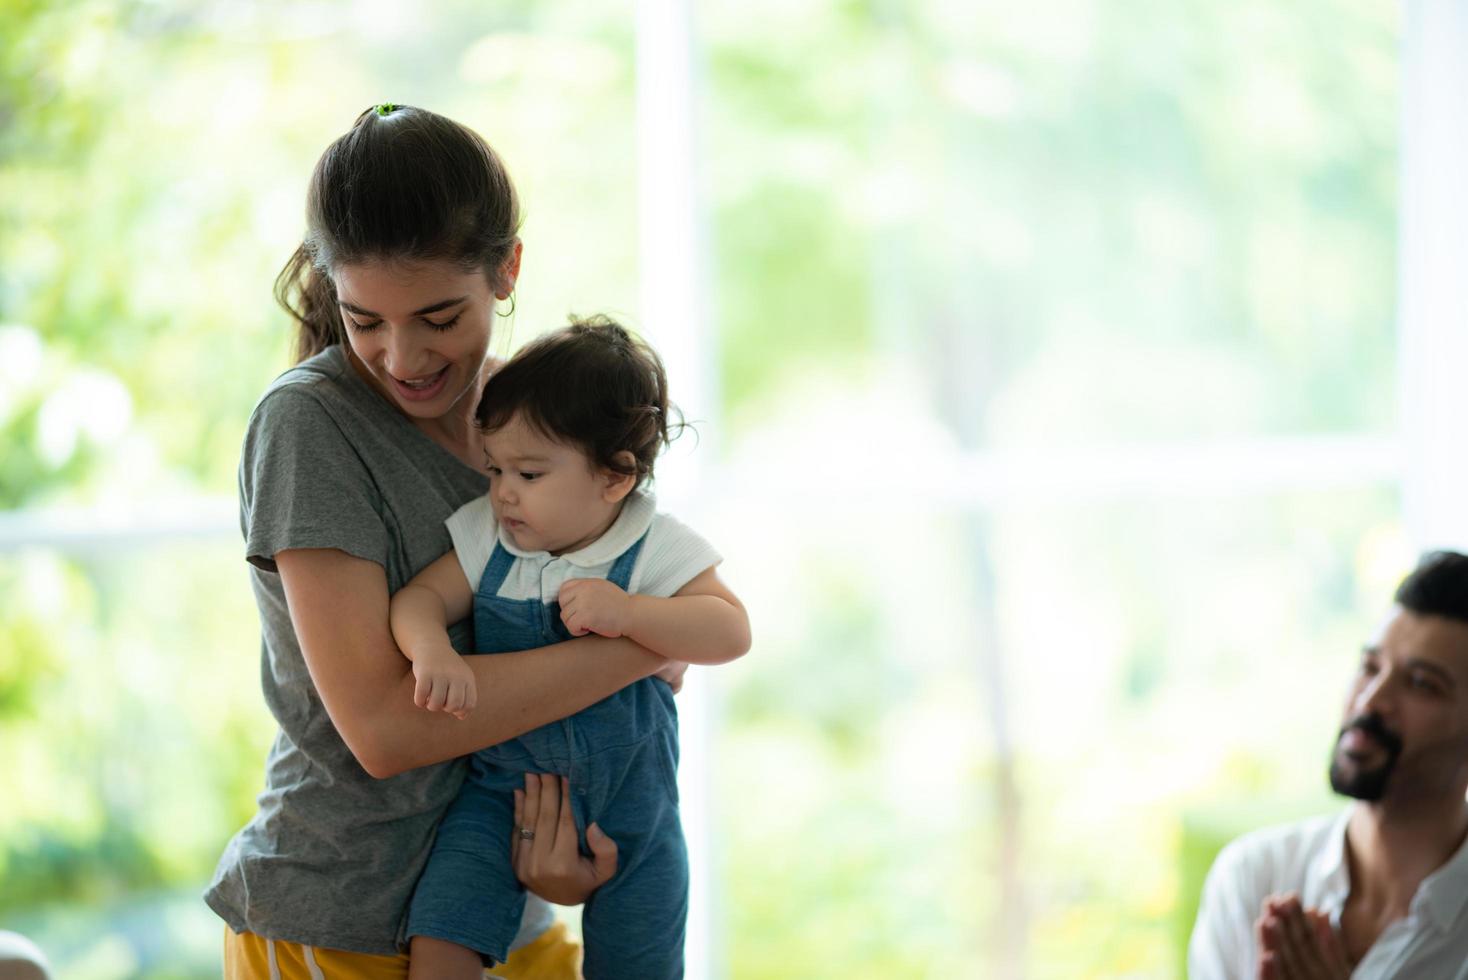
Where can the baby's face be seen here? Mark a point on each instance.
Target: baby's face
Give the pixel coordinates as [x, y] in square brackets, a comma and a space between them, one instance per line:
[546, 494]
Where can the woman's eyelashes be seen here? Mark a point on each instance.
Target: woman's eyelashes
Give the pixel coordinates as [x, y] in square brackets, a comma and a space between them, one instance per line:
[448, 324]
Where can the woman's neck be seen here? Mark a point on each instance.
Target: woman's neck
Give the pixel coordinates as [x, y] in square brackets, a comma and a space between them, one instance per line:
[454, 429]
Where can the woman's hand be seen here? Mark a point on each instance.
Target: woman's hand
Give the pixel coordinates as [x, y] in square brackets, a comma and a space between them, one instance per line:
[671, 672]
[549, 863]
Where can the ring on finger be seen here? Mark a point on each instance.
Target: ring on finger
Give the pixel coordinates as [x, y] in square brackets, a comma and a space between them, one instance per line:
[527, 834]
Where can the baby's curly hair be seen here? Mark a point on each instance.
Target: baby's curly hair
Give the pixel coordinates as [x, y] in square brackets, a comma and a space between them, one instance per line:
[591, 385]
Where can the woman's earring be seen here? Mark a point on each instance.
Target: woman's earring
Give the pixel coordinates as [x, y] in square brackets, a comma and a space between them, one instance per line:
[511, 298]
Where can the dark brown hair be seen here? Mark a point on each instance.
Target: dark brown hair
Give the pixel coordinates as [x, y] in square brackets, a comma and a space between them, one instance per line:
[1438, 586]
[591, 385]
[402, 183]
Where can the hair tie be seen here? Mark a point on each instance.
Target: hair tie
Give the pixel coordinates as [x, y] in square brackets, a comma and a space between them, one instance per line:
[384, 108]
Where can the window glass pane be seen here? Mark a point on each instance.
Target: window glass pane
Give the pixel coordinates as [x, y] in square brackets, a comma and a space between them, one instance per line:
[1014, 734]
[133, 734]
[1021, 737]
[1088, 222]
[153, 173]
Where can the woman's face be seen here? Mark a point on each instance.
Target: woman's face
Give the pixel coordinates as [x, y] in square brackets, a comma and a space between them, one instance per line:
[420, 328]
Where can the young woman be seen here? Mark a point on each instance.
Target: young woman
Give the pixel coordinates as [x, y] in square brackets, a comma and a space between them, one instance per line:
[352, 461]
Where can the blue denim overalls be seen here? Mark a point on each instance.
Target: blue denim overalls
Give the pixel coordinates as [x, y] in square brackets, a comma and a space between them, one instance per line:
[621, 757]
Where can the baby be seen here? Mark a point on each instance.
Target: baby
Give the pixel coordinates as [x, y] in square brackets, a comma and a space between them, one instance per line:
[567, 542]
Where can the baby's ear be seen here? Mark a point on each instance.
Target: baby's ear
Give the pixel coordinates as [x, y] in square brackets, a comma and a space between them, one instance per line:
[619, 485]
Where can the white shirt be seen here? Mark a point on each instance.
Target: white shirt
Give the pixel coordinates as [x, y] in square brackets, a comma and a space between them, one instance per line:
[1309, 857]
[672, 554]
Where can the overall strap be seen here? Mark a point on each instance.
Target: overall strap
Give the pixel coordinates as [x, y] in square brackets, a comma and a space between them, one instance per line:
[500, 561]
[621, 572]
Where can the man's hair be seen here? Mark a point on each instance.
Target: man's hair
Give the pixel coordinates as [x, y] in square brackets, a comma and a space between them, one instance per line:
[1438, 586]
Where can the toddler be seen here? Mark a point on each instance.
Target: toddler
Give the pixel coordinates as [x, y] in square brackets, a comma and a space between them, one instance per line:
[567, 542]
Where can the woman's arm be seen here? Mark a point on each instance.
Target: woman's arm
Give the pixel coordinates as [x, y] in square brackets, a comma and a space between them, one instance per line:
[339, 607]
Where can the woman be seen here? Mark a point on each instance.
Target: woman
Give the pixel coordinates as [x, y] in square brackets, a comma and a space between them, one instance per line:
[351, 462]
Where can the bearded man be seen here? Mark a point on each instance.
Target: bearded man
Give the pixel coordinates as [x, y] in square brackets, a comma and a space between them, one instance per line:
[1380, 890]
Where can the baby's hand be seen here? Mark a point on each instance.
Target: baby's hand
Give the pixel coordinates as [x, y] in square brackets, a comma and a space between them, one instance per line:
[594, 605]
[445, 683]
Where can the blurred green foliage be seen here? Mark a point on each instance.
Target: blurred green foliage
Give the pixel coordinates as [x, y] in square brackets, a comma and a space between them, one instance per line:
[1078, 222]
[1136, 221]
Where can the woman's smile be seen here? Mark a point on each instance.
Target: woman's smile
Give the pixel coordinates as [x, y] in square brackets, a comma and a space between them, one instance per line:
[423, 388]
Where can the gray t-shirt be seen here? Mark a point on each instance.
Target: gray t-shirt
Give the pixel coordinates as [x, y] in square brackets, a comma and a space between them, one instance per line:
[332, 856]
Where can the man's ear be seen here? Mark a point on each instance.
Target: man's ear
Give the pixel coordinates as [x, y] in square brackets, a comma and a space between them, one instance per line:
[619, 485]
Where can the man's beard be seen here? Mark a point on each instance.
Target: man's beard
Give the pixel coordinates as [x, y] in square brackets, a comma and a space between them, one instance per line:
[1365, 784]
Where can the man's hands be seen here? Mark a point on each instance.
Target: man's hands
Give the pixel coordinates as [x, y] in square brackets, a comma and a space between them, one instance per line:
[594, 605]
[445, 683]
[550, 865]
[1296, 943]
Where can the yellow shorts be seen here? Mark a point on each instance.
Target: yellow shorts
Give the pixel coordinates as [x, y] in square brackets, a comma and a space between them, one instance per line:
[553, 956]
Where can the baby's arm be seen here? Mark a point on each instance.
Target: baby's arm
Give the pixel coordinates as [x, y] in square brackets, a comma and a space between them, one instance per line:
[419, 616]
[702, 623]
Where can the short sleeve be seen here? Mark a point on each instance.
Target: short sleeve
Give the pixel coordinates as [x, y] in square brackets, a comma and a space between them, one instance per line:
[673, 555]
[473, 531]
[303, 485]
